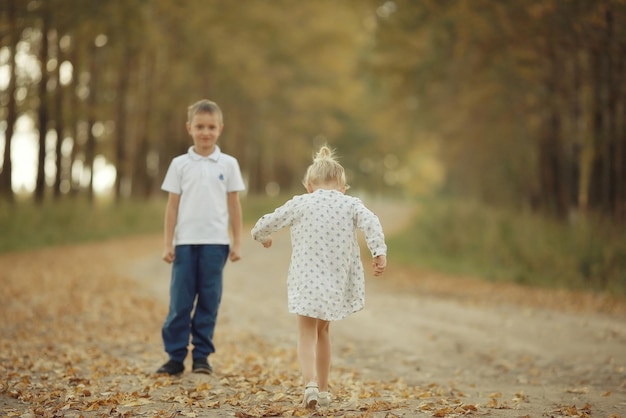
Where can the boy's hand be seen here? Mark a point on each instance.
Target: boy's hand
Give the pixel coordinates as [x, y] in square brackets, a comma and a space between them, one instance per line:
[379, 263]
[168, 254]
[235, 253]
[267, 243]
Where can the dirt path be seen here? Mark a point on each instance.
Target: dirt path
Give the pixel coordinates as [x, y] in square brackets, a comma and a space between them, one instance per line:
[80, 337]
[518, 360]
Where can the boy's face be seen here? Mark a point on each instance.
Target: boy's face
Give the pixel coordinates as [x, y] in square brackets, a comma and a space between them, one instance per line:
[205, 129]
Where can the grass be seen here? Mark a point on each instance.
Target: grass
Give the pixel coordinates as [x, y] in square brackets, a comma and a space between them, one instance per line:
[467, 238]
[448, 236]
[25, 226]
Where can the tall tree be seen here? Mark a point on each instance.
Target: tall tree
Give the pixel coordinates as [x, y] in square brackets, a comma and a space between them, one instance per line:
[511, 82]
[43, 111]
[6, 178]
[517, 102]
[59, 122]
[92, 115]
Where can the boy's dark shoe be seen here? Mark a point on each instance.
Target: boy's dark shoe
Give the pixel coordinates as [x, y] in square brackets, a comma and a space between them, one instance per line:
[201, 365]
[172, 367]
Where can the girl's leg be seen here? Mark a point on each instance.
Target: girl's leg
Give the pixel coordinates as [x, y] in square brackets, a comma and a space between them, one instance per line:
[307, 340]
[323, 351]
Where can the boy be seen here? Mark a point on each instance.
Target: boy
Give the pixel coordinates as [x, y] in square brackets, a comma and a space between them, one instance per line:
[203, 187]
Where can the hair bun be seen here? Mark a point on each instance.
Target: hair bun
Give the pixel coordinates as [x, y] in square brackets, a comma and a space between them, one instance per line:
[325, 170]
[325, 153]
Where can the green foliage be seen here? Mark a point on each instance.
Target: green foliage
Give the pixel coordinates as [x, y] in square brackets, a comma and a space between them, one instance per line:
[27, 226]
[505, 102]
[458, 237]
[468, 238]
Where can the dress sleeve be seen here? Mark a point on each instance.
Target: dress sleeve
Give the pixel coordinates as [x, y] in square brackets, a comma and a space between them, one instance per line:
[369, 223]
[281, 217]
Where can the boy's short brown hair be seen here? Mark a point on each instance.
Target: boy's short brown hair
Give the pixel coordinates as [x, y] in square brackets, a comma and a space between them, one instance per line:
[205, 106]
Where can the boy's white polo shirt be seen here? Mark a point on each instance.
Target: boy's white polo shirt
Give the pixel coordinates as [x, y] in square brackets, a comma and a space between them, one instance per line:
[203, 184]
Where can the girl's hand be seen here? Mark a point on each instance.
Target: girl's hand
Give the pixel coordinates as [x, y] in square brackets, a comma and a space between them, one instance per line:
[267, 243]
[379, 263]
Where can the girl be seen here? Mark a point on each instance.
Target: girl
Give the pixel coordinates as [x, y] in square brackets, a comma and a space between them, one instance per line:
[326, 279]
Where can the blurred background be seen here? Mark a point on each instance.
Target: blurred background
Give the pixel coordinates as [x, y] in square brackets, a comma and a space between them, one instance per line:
[503, 122]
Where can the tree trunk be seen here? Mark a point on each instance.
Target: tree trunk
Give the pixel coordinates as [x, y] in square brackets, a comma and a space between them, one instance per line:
[6, 176]
[552, 159]
[58, 123]
[611, 116]
[608, 169]
[598, 184]
[40, 185]
[614, 81]
[144, 168]
[74, 117]
[577, 135]
[121, 163]
[90, 146]
[620, 151]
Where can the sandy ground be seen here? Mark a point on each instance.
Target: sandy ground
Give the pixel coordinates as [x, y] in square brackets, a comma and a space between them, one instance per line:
[521, 359]
[80, 337]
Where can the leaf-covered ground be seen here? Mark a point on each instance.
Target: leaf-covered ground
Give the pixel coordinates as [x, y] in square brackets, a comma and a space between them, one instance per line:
[80, 331]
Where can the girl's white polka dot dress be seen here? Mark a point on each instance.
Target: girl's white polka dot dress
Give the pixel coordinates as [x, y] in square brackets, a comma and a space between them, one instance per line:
[326, 278]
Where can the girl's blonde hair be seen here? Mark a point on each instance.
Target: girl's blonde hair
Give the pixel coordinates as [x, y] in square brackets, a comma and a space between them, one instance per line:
[325, 169]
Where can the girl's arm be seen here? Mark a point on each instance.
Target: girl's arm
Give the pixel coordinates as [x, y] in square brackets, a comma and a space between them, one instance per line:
[379, 263]
[369, 223]
[272, 222]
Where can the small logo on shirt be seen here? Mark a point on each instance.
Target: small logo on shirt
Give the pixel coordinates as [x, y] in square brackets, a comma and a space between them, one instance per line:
[221, 177]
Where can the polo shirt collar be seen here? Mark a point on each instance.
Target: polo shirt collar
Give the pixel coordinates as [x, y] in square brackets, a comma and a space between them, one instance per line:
[195, 156]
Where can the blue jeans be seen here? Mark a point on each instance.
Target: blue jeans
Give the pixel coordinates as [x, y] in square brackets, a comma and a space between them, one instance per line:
[196, 282]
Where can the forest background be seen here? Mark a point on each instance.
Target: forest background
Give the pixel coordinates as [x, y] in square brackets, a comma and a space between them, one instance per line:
[503, 122]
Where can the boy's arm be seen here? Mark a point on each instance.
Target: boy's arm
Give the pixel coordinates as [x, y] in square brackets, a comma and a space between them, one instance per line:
[236, 224]
[171, 215]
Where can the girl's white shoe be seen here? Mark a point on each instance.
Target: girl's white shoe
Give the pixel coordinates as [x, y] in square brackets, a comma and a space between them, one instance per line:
[311, 395]
[323, 399]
